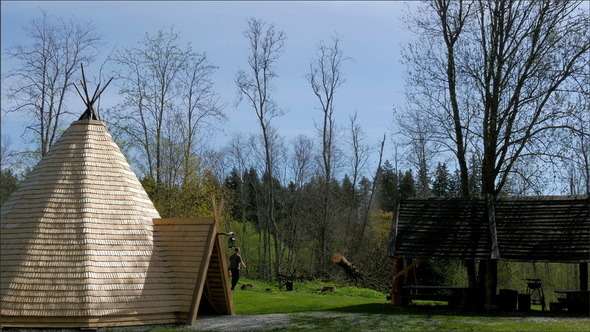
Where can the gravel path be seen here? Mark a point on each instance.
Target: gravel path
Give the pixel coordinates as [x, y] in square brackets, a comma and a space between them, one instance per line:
[236, 323]
[355, 321]
[241, 323]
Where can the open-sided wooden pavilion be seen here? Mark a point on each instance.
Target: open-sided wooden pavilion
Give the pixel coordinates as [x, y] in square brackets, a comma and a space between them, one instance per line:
[523, 229]
[81, 245]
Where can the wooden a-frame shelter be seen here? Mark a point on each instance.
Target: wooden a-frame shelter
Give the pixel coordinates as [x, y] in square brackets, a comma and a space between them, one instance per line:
[82, 245]
[522, 229]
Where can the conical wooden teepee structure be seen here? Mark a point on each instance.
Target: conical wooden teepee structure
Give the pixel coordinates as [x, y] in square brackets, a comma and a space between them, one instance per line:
[81, 245]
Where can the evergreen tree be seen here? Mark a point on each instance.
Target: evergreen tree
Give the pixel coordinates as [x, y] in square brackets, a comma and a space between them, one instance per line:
[234, 190]
[387, 187]
[407, 185]
[348, 192]
[252, 196]
[364, 192]
[441, 186]
[455, 184]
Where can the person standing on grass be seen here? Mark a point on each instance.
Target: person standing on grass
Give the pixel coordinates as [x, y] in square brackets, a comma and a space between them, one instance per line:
[235, 261]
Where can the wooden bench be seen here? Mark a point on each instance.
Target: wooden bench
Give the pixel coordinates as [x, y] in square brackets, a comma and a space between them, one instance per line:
[574, 301]
[455, 296]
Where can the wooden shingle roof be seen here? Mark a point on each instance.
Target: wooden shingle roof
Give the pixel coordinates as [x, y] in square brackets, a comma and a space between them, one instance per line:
[79, 247]
[540, 229]
[544, 229]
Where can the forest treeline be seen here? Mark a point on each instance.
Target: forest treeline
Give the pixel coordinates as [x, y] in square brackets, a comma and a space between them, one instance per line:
[497, 103]
[359, 222]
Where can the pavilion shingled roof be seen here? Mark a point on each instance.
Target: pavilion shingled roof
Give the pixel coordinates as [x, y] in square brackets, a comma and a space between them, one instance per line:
[540, 229]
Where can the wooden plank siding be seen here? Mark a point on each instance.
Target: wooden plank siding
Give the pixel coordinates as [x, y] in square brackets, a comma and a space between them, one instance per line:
[538, 229]
[182, 243]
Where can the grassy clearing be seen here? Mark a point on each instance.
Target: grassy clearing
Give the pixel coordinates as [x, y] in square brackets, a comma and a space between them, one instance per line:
[353, 309]
[306, 297]
[357, 309]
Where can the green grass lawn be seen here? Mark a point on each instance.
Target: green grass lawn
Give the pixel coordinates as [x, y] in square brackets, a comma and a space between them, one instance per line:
[306, 297]
[363, 310]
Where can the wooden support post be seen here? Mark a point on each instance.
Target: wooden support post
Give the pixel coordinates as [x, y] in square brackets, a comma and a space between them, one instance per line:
[201, 277]
[491, 281]
[408, 268]
[396, 284]
[583, 276]
[471, 273]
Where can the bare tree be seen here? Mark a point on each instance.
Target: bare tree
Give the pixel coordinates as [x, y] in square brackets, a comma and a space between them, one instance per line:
[8, 157]
[577, 162]
[302, 160]
[502, 71]
[359, 151]
[201, 106]
[369, 205]
[137, 125]
[359, 155]
[301, 168]
[433, 76]
[423, 147]
[238, 153]
[169, 101]
[165, 60]
[529, 53]
[255, 85]
[47, 68]
[325, 77]
[169, 105]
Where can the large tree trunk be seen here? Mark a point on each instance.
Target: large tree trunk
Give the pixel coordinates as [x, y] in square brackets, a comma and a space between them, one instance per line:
[491, 282]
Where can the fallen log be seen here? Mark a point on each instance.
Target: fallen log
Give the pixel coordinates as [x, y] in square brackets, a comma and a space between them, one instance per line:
[341, 261]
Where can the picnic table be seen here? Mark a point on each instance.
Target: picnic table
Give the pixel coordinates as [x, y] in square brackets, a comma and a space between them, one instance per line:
[455, 296]
[574, 300]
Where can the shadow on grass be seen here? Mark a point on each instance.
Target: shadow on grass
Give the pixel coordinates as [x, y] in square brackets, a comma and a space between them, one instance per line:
[369, 308]
[430, 310]
[388, 309]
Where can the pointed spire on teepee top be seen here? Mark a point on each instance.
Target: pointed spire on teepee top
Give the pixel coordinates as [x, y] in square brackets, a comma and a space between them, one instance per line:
[89, 113]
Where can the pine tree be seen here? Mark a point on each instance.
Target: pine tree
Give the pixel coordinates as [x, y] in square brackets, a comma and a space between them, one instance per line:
[407, 185]
[441, 186]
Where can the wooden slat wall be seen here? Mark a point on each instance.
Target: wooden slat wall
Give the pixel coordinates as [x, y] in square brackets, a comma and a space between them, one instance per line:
[192, 249]
[182, 244]
[543, 229]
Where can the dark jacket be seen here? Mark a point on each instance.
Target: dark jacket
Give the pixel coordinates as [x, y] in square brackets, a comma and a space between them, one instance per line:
[234, 261]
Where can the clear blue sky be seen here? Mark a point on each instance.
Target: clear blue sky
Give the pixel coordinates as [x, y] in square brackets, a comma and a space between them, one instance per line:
[372, 34]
